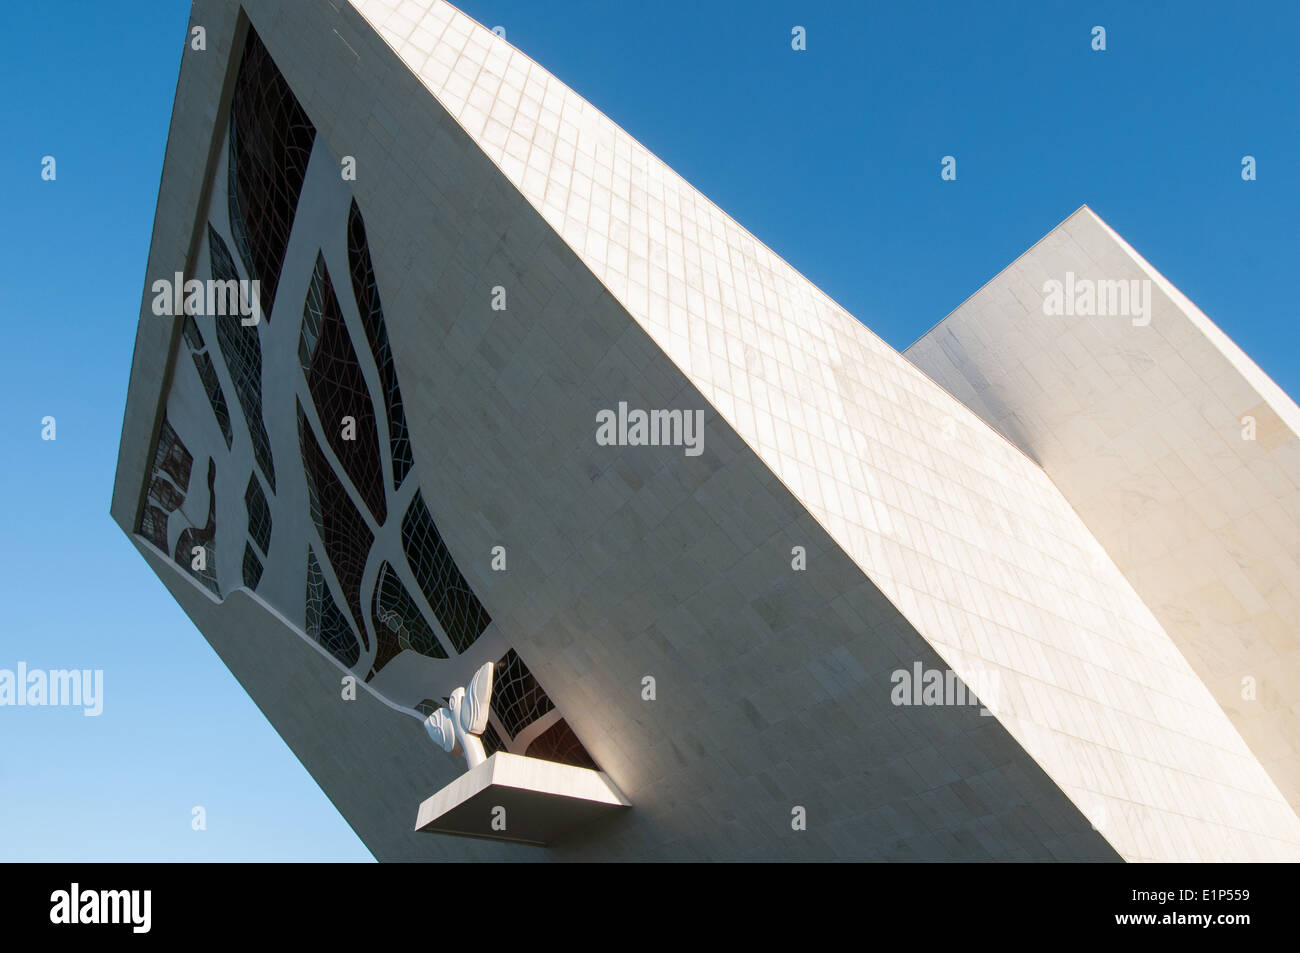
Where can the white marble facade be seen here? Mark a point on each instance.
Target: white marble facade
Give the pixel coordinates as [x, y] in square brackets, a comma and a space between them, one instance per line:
[930, 536]
[1180, 455]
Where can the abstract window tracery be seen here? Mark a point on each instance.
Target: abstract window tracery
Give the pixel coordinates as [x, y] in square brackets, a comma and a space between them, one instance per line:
[259, 514]
[270, 142]
[517, 699]
[212, 386]
[171, 456]
[252, 567]
[169, 480]
[343, 531]
[164, 494]
[366, 290]
[241, 347]
[205, 537]
[153, 526]
[193, 339]
[338, 388]
[454, 604]
[399, 624]
[269, 145]
[208, 375]
[325, 622]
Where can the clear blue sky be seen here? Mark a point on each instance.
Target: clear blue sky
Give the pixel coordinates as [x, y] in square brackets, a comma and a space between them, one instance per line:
[830, 156]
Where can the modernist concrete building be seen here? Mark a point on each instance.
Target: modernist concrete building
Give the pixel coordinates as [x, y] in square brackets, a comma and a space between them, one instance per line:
[517, 393]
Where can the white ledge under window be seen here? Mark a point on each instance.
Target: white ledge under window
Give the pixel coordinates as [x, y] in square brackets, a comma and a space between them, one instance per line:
[523, 800]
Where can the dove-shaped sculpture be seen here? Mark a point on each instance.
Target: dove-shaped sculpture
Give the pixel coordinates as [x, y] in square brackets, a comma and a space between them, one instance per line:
[457, 729]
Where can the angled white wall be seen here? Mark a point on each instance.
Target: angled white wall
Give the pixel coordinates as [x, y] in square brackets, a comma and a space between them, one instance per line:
[1180, 455]
[964, 534]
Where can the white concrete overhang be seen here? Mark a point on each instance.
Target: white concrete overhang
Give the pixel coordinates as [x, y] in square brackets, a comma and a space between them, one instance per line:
[523, 800]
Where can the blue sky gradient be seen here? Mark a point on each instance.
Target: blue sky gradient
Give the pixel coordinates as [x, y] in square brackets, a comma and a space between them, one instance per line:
[830, 156]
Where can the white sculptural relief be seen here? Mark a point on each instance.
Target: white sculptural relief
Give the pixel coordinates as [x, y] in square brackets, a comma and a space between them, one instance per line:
[457, 730]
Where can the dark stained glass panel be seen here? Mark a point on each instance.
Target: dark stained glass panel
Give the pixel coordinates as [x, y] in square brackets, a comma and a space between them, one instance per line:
[454, 604]
[252, 567]
[559, 743]
[270, 142]
[172, 458]
[399, 624]
[343, 530]
[338, 388]
[208, 375]
[259, 514]
[169, 480]
[241, 348]
[325, 622]
[366, 290]
[202, 536]
[517, 698]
